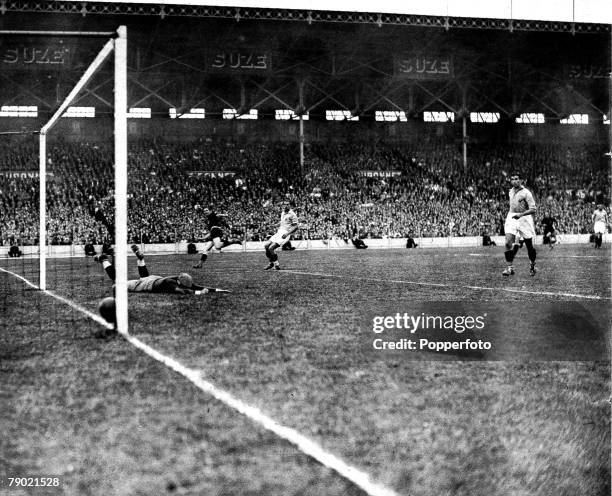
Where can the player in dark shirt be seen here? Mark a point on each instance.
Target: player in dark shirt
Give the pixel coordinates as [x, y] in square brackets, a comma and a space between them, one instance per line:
[549, 224]
[215, 237]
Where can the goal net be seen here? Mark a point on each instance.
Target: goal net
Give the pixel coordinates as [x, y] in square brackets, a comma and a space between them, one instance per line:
[63, 197]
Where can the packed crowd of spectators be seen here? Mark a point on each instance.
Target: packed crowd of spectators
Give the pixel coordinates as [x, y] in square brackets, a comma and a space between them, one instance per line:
[342, 190]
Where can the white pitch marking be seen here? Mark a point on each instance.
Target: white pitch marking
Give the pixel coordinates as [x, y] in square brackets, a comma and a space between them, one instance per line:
[71, 304]
[555, 255]
[479, 288]
[304, 444]
[307, 446]
[308, 273]
[578, 256]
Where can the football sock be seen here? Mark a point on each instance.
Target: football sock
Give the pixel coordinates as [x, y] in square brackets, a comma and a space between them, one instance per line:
[509, 254]
[531, 251]
[109, 269]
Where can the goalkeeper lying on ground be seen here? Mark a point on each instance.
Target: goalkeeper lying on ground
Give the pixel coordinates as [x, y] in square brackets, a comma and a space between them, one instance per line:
[181, 284]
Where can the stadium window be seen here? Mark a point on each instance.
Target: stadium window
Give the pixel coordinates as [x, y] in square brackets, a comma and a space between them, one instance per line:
[19, 111]
[233, 114]
[606, 120]
[194, 113]
[530, 118]
[80, 112]
[390, 116]
[575, 119]
[484, 117]
[429, 116]
[286, 114]
[340, 115]
[139, 113]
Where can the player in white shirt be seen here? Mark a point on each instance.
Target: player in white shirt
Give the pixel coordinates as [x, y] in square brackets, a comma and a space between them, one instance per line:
[519, 223]
[288, 225]
[600, 221]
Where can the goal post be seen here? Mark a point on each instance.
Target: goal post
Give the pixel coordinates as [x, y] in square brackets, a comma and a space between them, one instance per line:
[121, 233]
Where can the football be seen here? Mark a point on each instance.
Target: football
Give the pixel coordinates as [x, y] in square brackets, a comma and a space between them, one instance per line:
[107, 309]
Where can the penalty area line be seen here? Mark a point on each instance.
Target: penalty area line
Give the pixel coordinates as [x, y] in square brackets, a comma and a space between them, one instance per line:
[440, 285]
[301, 442]
[487, 255]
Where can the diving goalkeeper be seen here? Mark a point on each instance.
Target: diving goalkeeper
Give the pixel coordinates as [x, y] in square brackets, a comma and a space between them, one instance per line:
[181, 284]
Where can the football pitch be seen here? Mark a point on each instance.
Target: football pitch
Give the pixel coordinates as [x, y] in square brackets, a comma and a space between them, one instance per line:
[294, 351]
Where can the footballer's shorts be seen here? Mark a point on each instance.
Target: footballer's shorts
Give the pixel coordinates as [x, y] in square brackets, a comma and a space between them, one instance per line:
[599, 227]
[278, 238]
[522, 227]
[215, 232]
[144, 284]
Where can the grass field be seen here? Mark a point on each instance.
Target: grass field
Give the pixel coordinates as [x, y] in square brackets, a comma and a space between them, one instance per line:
[529, 417]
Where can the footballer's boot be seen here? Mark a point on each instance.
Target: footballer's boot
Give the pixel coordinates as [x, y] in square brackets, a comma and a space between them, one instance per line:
[270, 266]
[105, 333]
[198, 265]
[532, 270]
[137, 252]
[231, 241]
[509, 271]
[101, 258]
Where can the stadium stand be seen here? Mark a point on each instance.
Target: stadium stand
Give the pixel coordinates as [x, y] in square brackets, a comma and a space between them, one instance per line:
[370, 190]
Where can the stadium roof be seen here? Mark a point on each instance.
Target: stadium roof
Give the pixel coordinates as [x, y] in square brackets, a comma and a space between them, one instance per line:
[521, 15]
[188, 56]
[583, 11]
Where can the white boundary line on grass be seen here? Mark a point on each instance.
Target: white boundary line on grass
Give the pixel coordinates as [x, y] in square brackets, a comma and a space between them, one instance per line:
[70, 303]
[440, 285]
[304, 444]
[491, 255]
